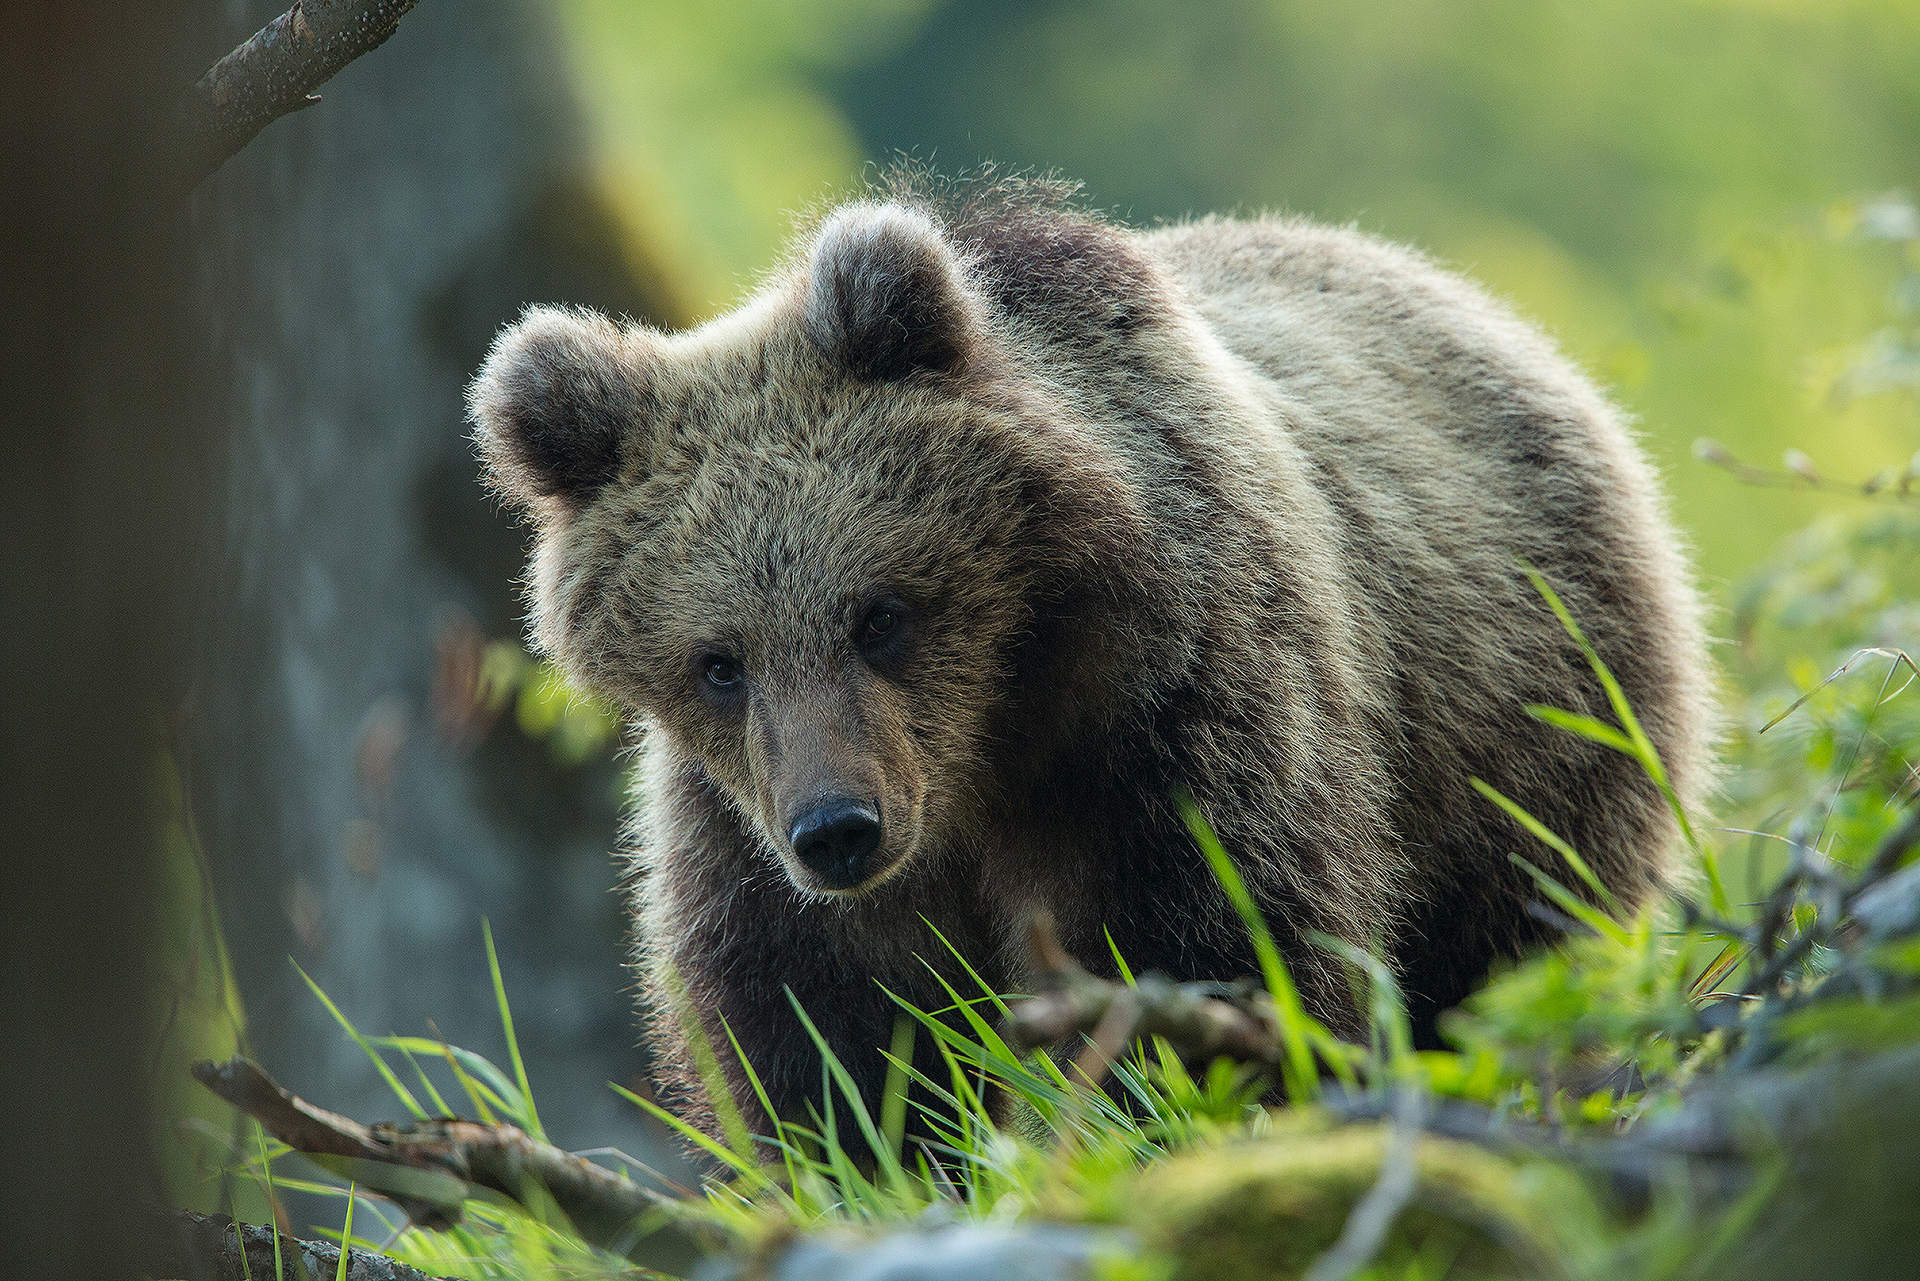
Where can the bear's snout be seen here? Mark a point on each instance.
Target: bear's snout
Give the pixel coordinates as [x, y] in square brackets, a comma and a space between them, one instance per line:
[837, 840]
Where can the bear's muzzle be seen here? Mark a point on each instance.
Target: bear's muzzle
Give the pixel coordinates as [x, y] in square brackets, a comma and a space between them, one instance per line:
[836, 840]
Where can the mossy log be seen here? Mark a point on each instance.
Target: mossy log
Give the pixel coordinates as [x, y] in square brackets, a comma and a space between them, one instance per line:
[1267, 1209]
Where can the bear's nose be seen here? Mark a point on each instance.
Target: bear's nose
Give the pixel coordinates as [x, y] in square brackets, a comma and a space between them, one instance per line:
[837, 840]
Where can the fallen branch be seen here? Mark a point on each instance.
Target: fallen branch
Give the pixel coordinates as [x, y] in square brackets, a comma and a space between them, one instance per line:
[1201, 1021]
[430, 1168]
[275, 74]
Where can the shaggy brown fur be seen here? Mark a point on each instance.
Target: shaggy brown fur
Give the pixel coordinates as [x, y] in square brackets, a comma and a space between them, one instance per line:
[936, 571]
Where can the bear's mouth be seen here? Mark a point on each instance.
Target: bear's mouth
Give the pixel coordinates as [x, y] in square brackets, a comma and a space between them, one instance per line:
[847, 877]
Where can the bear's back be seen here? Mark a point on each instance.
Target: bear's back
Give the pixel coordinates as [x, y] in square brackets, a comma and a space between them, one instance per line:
[1396, 373]
[1458, 447]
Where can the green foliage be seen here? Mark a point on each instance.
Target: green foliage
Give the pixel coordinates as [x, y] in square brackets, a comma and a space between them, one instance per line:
[1650, 180]
[1825, 763]
[1823, 631]
[1803, 948]
[576, 727]
[493, 1237]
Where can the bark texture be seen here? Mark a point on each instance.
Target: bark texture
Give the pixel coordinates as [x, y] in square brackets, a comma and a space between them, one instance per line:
[275, 72]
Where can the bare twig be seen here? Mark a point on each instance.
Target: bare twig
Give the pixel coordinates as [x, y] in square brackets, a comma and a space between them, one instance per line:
[1897, 485]
[1195, 1018]
[1373, 1215]
[430, 1167]
[275, 74]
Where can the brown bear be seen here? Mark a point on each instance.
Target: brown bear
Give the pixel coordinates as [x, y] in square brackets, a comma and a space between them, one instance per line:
[986, 529]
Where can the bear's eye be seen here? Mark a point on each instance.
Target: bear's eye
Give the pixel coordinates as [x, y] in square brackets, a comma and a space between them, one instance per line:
[883, 636]
[721, 672]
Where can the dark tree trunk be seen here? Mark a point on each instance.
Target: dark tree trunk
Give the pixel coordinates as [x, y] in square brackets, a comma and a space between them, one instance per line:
[102, 484]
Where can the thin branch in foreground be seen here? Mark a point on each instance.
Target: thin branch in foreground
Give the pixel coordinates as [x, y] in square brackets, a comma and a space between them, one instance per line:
[1196, 1019]
[1373, 1215]
[275, 73]
[429, 1168]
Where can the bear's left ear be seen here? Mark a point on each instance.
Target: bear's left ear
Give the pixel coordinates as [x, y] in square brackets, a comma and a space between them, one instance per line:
[888, 298]
[561, 394]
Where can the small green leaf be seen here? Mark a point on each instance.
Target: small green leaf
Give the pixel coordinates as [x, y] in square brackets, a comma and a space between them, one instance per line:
[1585, 726]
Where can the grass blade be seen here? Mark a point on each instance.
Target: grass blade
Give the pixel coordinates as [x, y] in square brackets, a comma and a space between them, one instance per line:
[1722, 965]
[1548, 838]
[1297, 1070]
[706, 1064]
[273, 1202]
[476, 1091]
[346, 1237]
[530, 1118]
[1643, 749]
[893, 1105]
[887, 1156]
[493, 1087]
[1573, 905]
[694, 1135]
[788, 1153]
[393, 1082]
[1585, 726]
[1119, 962]
[1387, 1006]
[426, 1083]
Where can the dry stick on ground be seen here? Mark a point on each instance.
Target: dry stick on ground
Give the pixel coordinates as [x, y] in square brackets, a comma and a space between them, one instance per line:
[275, 74]
[1195, 1018]
[430, 1167]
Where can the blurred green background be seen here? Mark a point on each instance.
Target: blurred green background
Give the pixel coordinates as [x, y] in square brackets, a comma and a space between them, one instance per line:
[1671, 188]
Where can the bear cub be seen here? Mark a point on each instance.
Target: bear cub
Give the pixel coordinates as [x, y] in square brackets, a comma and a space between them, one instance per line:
[935, 574]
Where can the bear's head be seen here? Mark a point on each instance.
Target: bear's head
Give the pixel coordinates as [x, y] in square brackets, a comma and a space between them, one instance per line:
[851, 547]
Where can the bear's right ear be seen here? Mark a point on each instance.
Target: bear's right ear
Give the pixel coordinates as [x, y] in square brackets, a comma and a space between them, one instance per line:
[554, 405]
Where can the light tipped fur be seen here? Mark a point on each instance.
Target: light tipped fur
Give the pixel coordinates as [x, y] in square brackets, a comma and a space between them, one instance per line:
[1235, 510]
